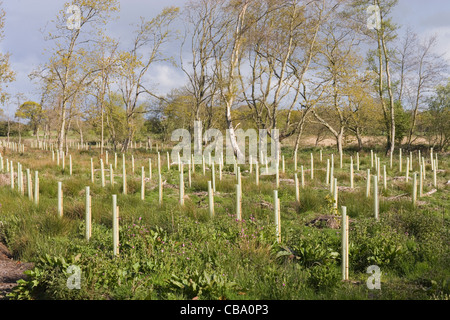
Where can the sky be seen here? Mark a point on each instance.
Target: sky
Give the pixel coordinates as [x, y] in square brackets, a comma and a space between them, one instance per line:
[26, 44]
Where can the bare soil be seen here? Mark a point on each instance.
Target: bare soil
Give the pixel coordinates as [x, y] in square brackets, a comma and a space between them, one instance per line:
[10, 271]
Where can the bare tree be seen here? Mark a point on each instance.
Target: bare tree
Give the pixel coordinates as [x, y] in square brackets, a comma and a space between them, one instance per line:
[427, 70]
[133, 65]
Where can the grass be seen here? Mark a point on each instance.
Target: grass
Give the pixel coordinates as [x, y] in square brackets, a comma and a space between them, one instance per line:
[179, 252]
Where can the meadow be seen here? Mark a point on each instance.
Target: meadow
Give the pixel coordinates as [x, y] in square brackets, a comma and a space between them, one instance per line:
[174, 250]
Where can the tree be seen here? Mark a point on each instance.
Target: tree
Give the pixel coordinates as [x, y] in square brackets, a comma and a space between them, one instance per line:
[33, 112]
[421, 70]
[438, 117]
[341, 70]
[133, 65]
[68, 70]
[106, 61]
[6, 74]
[380, 59]
[283, 43]
[202, 19]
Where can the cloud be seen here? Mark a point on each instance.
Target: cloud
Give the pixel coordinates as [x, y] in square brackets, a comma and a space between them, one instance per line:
[165, 78]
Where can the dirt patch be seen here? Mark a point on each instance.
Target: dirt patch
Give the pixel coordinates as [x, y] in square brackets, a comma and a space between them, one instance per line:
[10, 271]
[325, 221]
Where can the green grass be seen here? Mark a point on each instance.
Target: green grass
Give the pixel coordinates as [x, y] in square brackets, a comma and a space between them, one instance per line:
[174, 252]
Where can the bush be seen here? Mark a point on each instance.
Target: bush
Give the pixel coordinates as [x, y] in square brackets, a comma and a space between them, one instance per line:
[376, 243]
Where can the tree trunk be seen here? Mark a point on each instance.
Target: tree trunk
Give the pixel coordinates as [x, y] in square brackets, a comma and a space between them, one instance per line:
[340, 142]
[358, 136]
[62, 128]
[9, 128]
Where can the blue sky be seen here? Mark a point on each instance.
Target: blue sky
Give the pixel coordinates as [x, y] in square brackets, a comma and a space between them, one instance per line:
[24, 19]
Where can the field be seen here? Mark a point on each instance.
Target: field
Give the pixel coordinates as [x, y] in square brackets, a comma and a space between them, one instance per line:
[179, 251]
